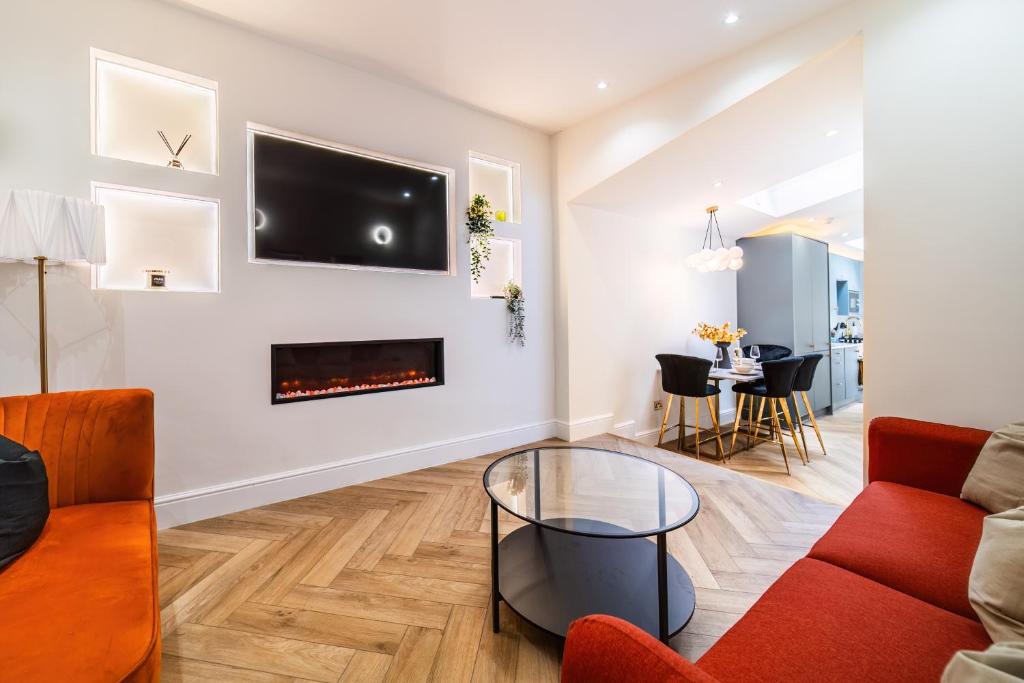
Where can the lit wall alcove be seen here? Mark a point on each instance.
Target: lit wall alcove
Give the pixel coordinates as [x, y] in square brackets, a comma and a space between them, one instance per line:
[150, 230]
[498, 180]
[133, 100]
[504, 266]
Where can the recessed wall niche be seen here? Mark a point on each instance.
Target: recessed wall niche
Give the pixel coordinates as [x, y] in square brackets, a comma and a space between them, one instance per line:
[151, 232]
[498, 180]
[132, 100]
[504, 266]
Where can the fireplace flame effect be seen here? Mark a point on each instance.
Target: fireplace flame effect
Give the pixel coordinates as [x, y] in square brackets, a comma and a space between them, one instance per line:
[293, 389]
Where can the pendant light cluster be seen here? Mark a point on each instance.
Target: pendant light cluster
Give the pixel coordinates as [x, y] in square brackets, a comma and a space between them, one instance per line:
[709, 260]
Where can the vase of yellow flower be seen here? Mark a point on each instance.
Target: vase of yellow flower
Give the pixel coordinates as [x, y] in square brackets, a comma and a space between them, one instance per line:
[721, 336]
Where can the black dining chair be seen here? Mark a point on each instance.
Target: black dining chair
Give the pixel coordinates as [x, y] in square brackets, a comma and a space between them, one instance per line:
[775, 389]
[804, 382]
[687, 377]
[769, 351]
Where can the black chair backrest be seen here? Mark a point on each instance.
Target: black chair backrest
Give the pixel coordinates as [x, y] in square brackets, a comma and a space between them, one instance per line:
[780, 375]
[684, 375]
[805, 375]
[769, 351]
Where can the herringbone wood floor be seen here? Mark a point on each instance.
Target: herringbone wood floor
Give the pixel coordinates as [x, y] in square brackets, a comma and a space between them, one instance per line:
[389, 580]
[836, 478]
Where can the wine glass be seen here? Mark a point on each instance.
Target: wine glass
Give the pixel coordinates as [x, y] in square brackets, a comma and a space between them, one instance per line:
[718, 356]
[755, 352]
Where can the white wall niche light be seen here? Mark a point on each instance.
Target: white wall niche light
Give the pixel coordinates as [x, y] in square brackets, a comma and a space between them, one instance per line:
[132, 100]
[500, 181]
[504, 266]
[162, 231]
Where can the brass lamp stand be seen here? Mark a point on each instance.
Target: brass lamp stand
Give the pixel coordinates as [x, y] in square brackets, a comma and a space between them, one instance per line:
[65, 229]
[44, 385]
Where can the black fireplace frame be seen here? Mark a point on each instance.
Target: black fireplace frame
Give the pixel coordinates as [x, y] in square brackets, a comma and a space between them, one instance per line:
[438, 365]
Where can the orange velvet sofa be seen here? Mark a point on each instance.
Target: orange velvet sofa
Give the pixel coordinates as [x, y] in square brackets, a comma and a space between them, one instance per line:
[82, 604]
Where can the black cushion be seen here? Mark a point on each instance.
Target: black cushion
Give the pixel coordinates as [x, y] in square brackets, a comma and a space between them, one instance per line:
[24, 501]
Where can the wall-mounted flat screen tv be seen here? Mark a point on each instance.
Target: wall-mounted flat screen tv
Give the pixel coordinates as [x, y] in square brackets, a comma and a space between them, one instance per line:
[318, 203]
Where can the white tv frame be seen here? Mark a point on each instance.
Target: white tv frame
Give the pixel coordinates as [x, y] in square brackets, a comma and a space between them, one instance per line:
[448, 173]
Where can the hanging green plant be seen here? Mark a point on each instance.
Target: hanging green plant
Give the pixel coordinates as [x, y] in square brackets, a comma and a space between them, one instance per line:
[478, 222]
[516, 305]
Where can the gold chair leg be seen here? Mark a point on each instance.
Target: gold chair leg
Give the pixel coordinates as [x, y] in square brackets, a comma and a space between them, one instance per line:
[664, 419]
[718, 430]
[696, 425]
[736, 424]
[750, 422]
[792, 430]
[800, 425]
[760, 416]
[814, 422]
[778, 430]
[682, 424]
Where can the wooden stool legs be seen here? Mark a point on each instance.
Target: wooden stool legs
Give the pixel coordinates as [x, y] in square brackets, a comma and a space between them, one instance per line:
[778, 430]
[814, 422]
[736, 423]
[718, 430]
[682, 424]
[664, 420]
[784, 403]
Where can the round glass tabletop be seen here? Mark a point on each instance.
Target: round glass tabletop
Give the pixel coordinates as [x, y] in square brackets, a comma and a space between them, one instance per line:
[591, 491]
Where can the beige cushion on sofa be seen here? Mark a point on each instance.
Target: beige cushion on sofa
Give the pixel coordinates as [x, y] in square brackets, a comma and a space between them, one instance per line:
[996, 586]
[996, 482]
[1000, 663]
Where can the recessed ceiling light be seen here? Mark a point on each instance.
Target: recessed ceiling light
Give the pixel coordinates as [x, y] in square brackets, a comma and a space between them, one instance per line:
[731, 18]
[832, 133]
[602, 85]
[811, 219]
[718, 183]
[845, 234]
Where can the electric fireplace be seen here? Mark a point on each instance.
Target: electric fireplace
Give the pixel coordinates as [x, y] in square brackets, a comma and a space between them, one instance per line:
[305, 372]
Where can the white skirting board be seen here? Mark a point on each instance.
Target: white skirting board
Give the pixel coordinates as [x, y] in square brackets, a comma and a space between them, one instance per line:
[586, 427]
[190, 506]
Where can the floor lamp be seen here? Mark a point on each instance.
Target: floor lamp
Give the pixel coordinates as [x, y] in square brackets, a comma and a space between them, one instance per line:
[40, 227]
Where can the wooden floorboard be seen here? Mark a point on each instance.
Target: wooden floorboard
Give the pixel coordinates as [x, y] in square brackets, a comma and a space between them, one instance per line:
[390, 580]
[835, 476]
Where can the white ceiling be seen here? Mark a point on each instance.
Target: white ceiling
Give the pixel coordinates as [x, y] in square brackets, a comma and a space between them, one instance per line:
[777, 134]
[534, 61]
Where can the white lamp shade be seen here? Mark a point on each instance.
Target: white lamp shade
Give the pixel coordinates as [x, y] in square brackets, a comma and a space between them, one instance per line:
[62, 229]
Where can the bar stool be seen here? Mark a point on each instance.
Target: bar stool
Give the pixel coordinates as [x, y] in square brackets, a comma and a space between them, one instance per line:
[769, 351]
[804, 382]
[779, 378]
[687, 377]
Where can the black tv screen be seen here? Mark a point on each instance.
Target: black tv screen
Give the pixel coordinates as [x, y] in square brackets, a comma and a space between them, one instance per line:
[323, 205]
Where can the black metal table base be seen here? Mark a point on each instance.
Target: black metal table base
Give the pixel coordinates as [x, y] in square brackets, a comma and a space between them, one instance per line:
[551, 578]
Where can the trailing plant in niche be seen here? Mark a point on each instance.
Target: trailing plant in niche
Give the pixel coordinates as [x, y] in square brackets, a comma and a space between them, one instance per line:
[478, 221]
[516, 305]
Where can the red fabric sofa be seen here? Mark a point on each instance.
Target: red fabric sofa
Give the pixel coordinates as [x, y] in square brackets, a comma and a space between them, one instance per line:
[882, 596]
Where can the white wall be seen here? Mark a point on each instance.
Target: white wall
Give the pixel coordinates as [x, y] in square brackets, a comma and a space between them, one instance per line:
[623, 292]
[206, 356]
[944, 210]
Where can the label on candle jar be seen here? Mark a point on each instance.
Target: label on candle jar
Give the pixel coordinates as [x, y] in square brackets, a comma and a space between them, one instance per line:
[156, 278]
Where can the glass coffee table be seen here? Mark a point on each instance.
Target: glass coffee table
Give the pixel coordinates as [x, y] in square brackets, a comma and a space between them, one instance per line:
[586, 548]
